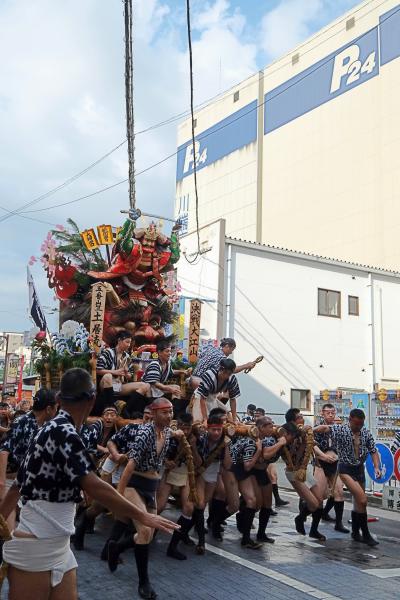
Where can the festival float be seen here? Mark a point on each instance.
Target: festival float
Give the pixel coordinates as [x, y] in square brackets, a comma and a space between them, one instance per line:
[110, 278]
[107, 280]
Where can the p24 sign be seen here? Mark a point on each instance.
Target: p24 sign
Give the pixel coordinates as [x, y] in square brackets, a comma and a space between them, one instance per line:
[348, 68]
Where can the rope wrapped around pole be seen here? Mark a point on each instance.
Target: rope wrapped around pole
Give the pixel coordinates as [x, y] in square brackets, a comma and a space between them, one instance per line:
[130, 120]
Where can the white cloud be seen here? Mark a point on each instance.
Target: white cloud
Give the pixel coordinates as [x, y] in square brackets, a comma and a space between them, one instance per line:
[291, 17]
[62, 106]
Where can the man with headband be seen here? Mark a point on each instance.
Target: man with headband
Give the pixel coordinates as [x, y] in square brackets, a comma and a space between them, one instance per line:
[140, 480]
[56, 469]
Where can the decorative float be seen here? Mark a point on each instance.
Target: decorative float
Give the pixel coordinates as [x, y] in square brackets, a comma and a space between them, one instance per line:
[112, 279]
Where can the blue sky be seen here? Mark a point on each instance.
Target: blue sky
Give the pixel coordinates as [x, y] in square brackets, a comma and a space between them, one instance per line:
[62, 105]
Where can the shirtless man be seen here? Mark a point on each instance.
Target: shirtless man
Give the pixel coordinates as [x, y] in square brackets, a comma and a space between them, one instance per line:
[140, 480]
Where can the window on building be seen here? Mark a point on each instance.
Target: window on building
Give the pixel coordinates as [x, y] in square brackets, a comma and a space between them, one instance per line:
[354, 308]
[350, 23]
[328, 303]
[300, 399]
[236, 96]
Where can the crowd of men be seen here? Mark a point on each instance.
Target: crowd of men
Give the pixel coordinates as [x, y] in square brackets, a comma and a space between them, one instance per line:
[74, 449]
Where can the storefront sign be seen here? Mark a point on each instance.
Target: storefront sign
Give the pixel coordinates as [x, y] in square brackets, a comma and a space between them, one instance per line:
[386, 464]
[391, 498]
[338, 73]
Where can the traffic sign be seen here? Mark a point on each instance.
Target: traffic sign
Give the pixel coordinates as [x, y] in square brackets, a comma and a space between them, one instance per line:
[386, 464]
[396, 459]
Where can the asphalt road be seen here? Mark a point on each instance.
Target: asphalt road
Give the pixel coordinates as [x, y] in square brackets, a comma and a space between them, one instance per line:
[294, 568]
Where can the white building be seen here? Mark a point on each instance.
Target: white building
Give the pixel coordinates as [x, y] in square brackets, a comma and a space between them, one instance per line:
[305, 154]
[320, 323]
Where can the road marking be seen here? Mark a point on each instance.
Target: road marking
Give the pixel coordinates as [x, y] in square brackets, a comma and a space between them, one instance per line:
[383, 573]
[289, 581]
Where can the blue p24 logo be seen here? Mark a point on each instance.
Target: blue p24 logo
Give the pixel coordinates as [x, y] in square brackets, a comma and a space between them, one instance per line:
[348, 69]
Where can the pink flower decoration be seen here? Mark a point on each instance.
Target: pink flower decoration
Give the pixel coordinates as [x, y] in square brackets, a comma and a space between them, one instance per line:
[60, 227]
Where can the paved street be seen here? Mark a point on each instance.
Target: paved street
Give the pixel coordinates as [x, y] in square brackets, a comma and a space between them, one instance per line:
[294, 568]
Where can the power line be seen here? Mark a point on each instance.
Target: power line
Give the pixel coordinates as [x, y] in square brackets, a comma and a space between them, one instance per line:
[105, 189]
[167, 121]
[60, 186]
[196, 194]
[203, 136]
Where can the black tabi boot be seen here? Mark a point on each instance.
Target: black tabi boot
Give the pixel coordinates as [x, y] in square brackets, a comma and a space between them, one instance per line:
[339, 508]
[329, 504]
[278, 499]
[211, 512]
[172, 551]
[355, 527]
[116, 548]
[186, 539]
[248, 516]
[220, 514]
[198, 518]
[263, 518]
[366, 535]
[145, 589]
[316, 518]
[301, 517]
[118, 529]
[239, 515]
[80, 530]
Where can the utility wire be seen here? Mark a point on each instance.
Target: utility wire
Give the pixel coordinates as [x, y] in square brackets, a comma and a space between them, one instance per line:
[189, 34]
[203, 136]
[58, 187]
[170, 120]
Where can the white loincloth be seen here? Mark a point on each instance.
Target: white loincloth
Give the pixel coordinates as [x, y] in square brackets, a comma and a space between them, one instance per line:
[36, 555]
[111, 468]
[52, 524]
[310, 480]
[178, 476]
[211, 402]
[210, 475]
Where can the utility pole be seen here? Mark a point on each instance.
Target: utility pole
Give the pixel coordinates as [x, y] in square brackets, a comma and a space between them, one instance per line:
[130, 120]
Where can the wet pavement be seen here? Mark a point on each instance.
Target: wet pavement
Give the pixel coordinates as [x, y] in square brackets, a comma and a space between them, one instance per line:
[294, 568]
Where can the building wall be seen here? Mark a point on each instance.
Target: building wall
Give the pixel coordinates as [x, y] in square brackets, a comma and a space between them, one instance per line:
[329, 152]
[203, 278]
[274, 304]
[267, 299]
[227, 186]
[335, 167]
